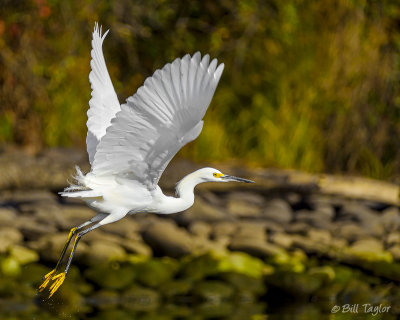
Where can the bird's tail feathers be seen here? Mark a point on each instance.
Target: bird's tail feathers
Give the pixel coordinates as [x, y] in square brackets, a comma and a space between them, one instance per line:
[79, 189]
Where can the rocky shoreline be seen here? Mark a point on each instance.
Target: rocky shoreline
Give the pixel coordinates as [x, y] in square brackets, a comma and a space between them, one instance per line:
[232, 254]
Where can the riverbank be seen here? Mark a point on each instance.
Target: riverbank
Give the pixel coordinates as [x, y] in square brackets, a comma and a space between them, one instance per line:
[283, 245]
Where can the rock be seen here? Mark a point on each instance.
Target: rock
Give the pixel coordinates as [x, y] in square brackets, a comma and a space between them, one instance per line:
[155, 272]
[367, 245]
[211, 198]
[320, 236]
[23, 197]
[203, 211]
[313, 218]
[165, 238]
[325, 273]
[204, 245]
[140, 299]
[271, 226]
[242, 282]
[298, 228]
[349, 231]
[212, 310]
[104, 251]
[115, 314]
[50, 247]
[195, 268]
[251, 198]
[33, 273]
[395, 252]
[127, 228]
[49, 214]
[33, 230]
[254, 247]
[393, 238]
[298, 284]
[113, 277]
[366, 218]
[338, 244]
[174, 288]
[326, 211]
[76, 215]
[281, 239]
[213, 291]
[223, 229]
[10, 267]
[390, 219]
[367, 250]
[200, 228]
[137, 247]
[279, 211]
[99, 235]
[7, 216]
[23, 255]
[242, 263]
[105, 299]
[242, 208]
[250, 229]
[9, 236]
[309, 246]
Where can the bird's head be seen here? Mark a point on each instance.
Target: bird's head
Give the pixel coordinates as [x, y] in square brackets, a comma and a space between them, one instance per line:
[214, 175]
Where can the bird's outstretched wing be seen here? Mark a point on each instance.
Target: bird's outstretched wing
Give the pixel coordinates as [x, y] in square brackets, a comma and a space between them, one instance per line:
[104, 103]
[165, 114]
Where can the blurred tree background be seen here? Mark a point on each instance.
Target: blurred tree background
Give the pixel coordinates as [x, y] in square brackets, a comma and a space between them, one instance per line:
[311, 85]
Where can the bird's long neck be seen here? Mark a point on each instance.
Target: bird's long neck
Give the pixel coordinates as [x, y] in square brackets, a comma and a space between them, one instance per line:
[185, 195]
[185, 187]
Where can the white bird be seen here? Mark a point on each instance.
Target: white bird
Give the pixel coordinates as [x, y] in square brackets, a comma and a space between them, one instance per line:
[130, 145]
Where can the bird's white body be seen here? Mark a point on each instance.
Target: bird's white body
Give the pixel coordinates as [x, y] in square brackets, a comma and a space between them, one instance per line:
[130, 145]
[121, 196]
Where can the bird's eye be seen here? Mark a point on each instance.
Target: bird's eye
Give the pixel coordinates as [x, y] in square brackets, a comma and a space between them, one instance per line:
[215, 174]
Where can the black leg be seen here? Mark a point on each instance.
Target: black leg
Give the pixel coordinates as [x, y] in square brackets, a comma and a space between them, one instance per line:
[59, 279]
[51, 275]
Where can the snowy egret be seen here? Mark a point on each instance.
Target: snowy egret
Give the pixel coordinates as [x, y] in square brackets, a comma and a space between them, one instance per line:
[130, 145]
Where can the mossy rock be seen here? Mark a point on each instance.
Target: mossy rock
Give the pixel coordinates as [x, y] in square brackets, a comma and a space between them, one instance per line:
[212, 310]
[242, 282]
[243, 263]
[115, 314]
[199, 267]
[105, 299]
[155, 272]
[114, 276]
[33, 274]
[137, 298]
[285, 262]
[10, 267]
[356, 291]
[298, 284]
[8, 287]
[325, 273]
[23, 255]
[344, 274]
[66, 302]
[176, 287]
[177, 311]
[251, 311]
[213, 291]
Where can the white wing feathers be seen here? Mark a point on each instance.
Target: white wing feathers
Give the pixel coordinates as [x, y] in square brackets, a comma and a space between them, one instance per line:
[165, 114]
[104, 103]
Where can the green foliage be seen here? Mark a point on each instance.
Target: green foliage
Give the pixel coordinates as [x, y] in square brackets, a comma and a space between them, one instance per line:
[312, 85]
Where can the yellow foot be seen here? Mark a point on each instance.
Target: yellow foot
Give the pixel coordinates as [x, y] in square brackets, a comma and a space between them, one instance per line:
[58, 281]
[47, 279]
